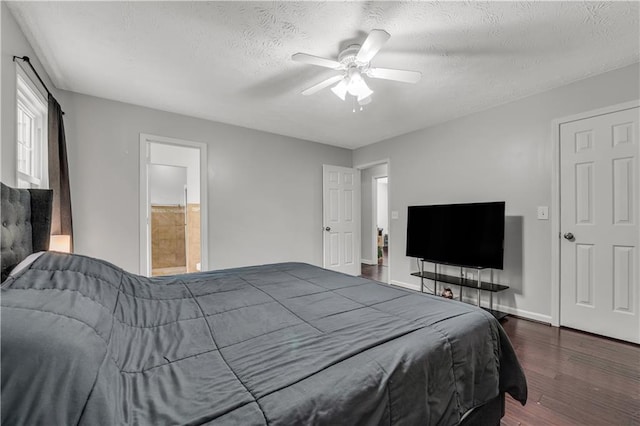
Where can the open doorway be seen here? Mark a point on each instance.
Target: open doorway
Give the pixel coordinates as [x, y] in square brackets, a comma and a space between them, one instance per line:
[170, 230]
[382, 220]
[172, 206]
[375, 222]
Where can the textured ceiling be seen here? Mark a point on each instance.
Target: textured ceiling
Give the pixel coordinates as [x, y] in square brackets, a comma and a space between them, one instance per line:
[231, 61]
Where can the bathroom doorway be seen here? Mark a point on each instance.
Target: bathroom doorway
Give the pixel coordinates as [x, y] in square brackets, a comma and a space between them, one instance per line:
[173, 206]
[168, 196]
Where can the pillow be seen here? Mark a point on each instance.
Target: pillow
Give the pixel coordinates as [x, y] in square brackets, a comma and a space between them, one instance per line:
[26, 262]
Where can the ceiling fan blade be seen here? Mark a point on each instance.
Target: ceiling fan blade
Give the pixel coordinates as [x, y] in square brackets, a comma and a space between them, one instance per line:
[326, 83]
[316, 60]
[375, 40]
[396, 75]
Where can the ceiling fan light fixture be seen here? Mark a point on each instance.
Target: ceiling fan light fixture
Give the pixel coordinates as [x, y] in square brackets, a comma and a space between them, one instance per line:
[362, 91]
[354, 82]
[340, 89]
[356, 86]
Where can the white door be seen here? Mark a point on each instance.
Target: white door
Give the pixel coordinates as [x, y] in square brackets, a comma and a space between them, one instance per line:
[341, 219]
[599, 225]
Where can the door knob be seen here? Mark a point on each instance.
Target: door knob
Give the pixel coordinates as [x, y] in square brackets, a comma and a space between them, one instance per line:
[569, 236]
[328, 228]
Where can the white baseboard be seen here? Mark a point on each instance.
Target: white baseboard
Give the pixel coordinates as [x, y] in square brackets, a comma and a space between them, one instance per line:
[368, 262]
[406, 285]
[524, 314]
[510, 310]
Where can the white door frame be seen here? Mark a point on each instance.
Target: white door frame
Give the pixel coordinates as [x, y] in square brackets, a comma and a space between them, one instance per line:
[145, 225]
[361, 167]
[555, 198]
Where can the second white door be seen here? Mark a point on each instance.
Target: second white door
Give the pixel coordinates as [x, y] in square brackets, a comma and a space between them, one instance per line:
[341, 219]
[599, 225]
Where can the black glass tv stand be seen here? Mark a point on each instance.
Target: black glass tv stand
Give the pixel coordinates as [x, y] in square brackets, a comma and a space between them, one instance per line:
[463, 282]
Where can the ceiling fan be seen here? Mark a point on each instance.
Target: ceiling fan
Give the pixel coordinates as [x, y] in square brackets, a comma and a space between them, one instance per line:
[354, 62]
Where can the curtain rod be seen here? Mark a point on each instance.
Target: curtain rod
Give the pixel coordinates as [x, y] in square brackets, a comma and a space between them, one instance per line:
[28, 61]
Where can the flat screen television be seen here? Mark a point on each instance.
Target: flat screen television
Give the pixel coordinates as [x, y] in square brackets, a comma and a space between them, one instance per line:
[469, 235]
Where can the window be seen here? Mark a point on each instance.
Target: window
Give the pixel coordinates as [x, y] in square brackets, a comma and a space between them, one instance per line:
[31, 134]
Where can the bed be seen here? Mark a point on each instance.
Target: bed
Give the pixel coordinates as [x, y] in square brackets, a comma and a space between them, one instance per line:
[85, 342]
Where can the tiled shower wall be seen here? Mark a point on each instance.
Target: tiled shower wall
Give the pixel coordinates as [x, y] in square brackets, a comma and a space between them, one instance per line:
[171, 252]
[168, 237]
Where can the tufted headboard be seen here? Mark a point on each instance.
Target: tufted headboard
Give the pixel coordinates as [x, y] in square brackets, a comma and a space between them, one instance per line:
[26, 224]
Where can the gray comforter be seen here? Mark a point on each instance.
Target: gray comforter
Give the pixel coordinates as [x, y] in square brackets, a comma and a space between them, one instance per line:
[84, 342]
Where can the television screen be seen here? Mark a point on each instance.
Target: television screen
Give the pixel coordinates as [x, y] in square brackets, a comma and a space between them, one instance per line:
[470, 235]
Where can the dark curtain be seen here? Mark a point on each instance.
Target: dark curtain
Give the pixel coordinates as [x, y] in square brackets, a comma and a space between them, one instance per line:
[61, 222]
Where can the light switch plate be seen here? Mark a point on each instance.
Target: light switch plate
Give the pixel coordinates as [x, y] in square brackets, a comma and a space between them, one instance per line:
[543, 213]
[394, 214]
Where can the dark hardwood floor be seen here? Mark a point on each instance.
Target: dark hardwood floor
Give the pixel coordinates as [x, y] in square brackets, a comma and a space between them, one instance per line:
[377, 272]
[574, 378]
[374, 272]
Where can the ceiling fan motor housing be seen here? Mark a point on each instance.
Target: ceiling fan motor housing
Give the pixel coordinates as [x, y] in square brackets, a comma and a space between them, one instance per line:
[348, 56]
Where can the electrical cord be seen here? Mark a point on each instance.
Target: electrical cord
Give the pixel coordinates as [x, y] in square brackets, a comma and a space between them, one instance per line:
[421, 270]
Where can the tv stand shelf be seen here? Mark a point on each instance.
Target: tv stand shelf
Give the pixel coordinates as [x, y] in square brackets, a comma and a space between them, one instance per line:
[461, 282]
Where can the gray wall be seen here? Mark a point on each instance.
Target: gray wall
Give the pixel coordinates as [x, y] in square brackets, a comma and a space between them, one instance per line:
[504, 153]
[382, 201]
[368, 203]
[265, 190]
[13, 43]
[166, 184]
[189, 158]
